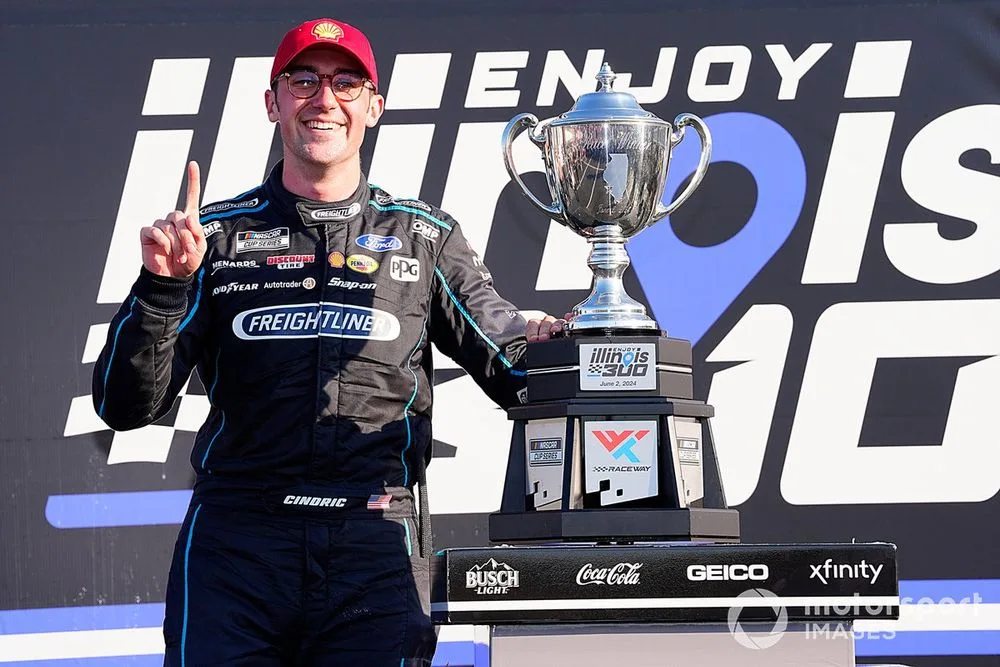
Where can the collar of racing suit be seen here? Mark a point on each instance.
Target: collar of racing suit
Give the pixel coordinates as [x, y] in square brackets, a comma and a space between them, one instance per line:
[311, 211]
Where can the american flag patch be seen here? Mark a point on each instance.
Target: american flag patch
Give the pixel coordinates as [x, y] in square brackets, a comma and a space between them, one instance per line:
[379, 502]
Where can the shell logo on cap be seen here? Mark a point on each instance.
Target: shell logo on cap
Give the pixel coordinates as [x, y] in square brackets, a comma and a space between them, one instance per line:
[328, 30]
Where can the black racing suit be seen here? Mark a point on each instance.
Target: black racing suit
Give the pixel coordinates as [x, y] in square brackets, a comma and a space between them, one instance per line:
[310, 325]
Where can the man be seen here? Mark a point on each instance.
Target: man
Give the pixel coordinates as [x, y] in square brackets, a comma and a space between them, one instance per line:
[308, 306]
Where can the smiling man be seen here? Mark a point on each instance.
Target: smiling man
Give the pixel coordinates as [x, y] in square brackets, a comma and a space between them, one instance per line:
[308, 306]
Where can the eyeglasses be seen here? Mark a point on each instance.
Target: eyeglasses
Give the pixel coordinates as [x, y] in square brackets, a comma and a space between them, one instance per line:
[303, 84]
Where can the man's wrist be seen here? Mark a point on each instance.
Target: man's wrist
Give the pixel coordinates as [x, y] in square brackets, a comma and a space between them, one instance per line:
[164, 293]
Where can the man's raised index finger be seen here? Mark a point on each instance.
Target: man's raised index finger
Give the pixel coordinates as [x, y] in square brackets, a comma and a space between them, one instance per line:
[193, 189]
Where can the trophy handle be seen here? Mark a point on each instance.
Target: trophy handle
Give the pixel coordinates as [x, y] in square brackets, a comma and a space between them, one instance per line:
[516, 126]
[682, 121]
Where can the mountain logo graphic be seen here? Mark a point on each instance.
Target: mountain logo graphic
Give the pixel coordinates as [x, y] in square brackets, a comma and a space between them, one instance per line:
[492, 578]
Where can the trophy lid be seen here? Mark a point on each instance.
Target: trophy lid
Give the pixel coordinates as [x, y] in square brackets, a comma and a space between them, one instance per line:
[606, 105]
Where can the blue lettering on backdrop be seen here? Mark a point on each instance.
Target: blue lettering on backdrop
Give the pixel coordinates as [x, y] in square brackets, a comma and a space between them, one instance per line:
[688, 288]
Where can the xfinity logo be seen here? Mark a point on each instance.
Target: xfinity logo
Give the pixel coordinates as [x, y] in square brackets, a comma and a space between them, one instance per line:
[315, 501]
[309, 320]
[341, 213]
[622, 574]
[378, 243]
[492, 578]
[830, 570]
[737, 572]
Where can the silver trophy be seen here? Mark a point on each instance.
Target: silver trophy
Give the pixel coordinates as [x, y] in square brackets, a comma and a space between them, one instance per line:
[606, 164]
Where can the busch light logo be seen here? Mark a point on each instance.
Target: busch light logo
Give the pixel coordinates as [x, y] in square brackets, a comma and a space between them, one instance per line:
[492, 578]
[616, 366]
[378, 243]
[309, 320]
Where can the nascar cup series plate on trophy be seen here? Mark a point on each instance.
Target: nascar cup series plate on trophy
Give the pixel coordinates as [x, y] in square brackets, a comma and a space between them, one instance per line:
[606, 164]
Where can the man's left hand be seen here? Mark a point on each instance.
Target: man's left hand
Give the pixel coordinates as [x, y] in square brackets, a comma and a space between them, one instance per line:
[546, 328]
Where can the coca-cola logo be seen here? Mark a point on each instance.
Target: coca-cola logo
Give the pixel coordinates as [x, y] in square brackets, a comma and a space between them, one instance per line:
[622, 574]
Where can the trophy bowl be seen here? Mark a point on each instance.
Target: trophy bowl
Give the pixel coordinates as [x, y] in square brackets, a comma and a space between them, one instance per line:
[606, 163]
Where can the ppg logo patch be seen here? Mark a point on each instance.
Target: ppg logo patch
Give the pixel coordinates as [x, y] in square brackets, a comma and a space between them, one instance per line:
[309, 320]
[378, 243]
[404, 269]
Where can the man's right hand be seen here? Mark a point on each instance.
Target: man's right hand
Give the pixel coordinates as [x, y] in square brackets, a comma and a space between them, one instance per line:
[174, 247]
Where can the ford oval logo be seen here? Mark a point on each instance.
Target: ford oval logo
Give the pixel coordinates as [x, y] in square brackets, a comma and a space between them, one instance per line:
[378, 243]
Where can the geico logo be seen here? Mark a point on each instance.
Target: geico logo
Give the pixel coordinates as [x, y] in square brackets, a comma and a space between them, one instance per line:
[756, 572]
[315, 501]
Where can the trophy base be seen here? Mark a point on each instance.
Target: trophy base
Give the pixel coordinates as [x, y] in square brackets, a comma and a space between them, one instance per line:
[608, 332]
[595, 320]
[621, 526]
[554, 368]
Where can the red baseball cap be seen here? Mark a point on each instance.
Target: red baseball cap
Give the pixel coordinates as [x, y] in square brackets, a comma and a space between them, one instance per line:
[325, 32]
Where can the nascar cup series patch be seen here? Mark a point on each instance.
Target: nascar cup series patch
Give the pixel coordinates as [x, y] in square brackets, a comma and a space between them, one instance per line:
[272, 239]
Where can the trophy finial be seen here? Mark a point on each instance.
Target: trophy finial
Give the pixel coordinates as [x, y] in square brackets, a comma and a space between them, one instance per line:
[606, 77]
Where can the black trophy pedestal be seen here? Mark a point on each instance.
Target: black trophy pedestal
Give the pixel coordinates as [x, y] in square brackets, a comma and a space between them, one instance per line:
[612, 447]
[712, 605]
[616, 526]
